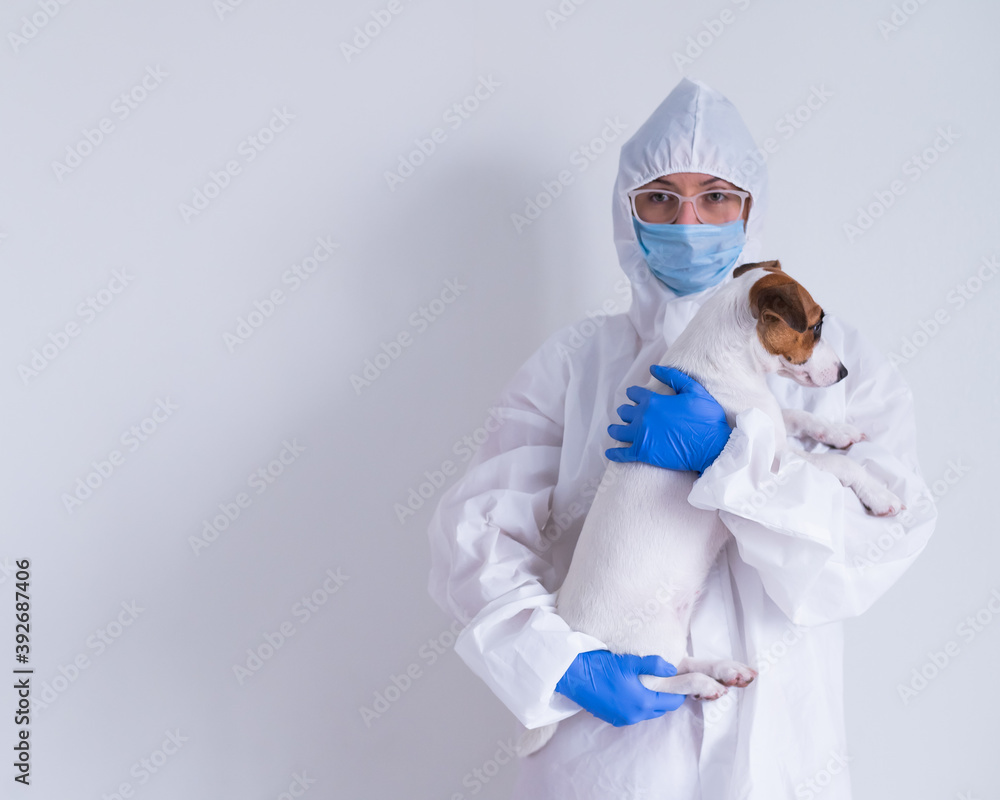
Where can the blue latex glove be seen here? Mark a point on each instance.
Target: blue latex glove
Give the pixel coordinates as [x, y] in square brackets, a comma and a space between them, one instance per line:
[684, 431]
[608, 686]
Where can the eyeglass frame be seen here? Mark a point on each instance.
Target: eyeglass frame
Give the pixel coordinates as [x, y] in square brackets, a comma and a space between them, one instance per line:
[742, 195]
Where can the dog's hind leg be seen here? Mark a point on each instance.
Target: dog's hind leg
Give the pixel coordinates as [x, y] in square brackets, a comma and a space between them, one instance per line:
[728, 673]
[701, 678]
[694, 684]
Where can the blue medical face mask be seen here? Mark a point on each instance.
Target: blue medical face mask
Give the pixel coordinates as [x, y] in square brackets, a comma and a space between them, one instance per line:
[689, 258]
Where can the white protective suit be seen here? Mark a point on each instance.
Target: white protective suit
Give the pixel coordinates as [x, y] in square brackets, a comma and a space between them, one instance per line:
[804, 554]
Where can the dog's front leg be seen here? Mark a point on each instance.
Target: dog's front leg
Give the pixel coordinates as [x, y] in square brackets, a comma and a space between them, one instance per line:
[802, 424]
[873, 495]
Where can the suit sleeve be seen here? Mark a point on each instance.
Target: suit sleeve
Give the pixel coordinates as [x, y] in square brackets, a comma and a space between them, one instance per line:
[820, 554]
[490, 564]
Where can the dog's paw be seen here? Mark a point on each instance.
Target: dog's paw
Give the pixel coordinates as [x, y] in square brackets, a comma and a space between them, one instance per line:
[733, 673]
[706, 688]
[728, 673]
[840, 435]
[879, 500]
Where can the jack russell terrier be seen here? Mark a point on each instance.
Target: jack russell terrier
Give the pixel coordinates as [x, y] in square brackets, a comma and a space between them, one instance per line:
[642, 535]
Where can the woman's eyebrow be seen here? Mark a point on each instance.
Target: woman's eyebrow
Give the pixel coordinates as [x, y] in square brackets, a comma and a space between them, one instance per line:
[670, 182]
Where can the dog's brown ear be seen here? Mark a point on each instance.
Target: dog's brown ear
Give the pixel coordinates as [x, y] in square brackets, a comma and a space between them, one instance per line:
[778, 296]
[770, 266]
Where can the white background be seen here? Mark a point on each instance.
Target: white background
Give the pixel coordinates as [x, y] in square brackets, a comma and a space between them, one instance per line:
[161, 338]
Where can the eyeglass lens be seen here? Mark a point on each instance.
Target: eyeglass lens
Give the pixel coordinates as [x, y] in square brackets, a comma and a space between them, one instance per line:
[711, 208]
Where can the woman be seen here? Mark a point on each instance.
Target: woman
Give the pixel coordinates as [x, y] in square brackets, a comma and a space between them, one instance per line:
[804, 554]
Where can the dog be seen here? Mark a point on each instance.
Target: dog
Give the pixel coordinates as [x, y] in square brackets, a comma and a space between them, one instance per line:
[643, 546]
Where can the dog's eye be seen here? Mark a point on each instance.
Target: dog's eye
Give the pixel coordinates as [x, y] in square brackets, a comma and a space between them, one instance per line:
[817, 329]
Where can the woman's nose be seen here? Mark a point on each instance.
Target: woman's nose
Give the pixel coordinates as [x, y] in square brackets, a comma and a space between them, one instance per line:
[687, 215]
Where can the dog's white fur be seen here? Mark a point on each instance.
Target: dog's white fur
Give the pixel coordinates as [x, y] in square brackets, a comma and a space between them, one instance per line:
[644, 551]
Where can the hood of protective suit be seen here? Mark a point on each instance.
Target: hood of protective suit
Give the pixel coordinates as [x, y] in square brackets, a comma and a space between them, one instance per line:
[695, 129]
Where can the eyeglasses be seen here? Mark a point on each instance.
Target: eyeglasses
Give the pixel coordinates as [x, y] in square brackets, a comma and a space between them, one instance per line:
[662, 207]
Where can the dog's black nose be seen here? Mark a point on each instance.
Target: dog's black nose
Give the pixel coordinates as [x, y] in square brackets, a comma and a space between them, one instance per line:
[841, 373]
